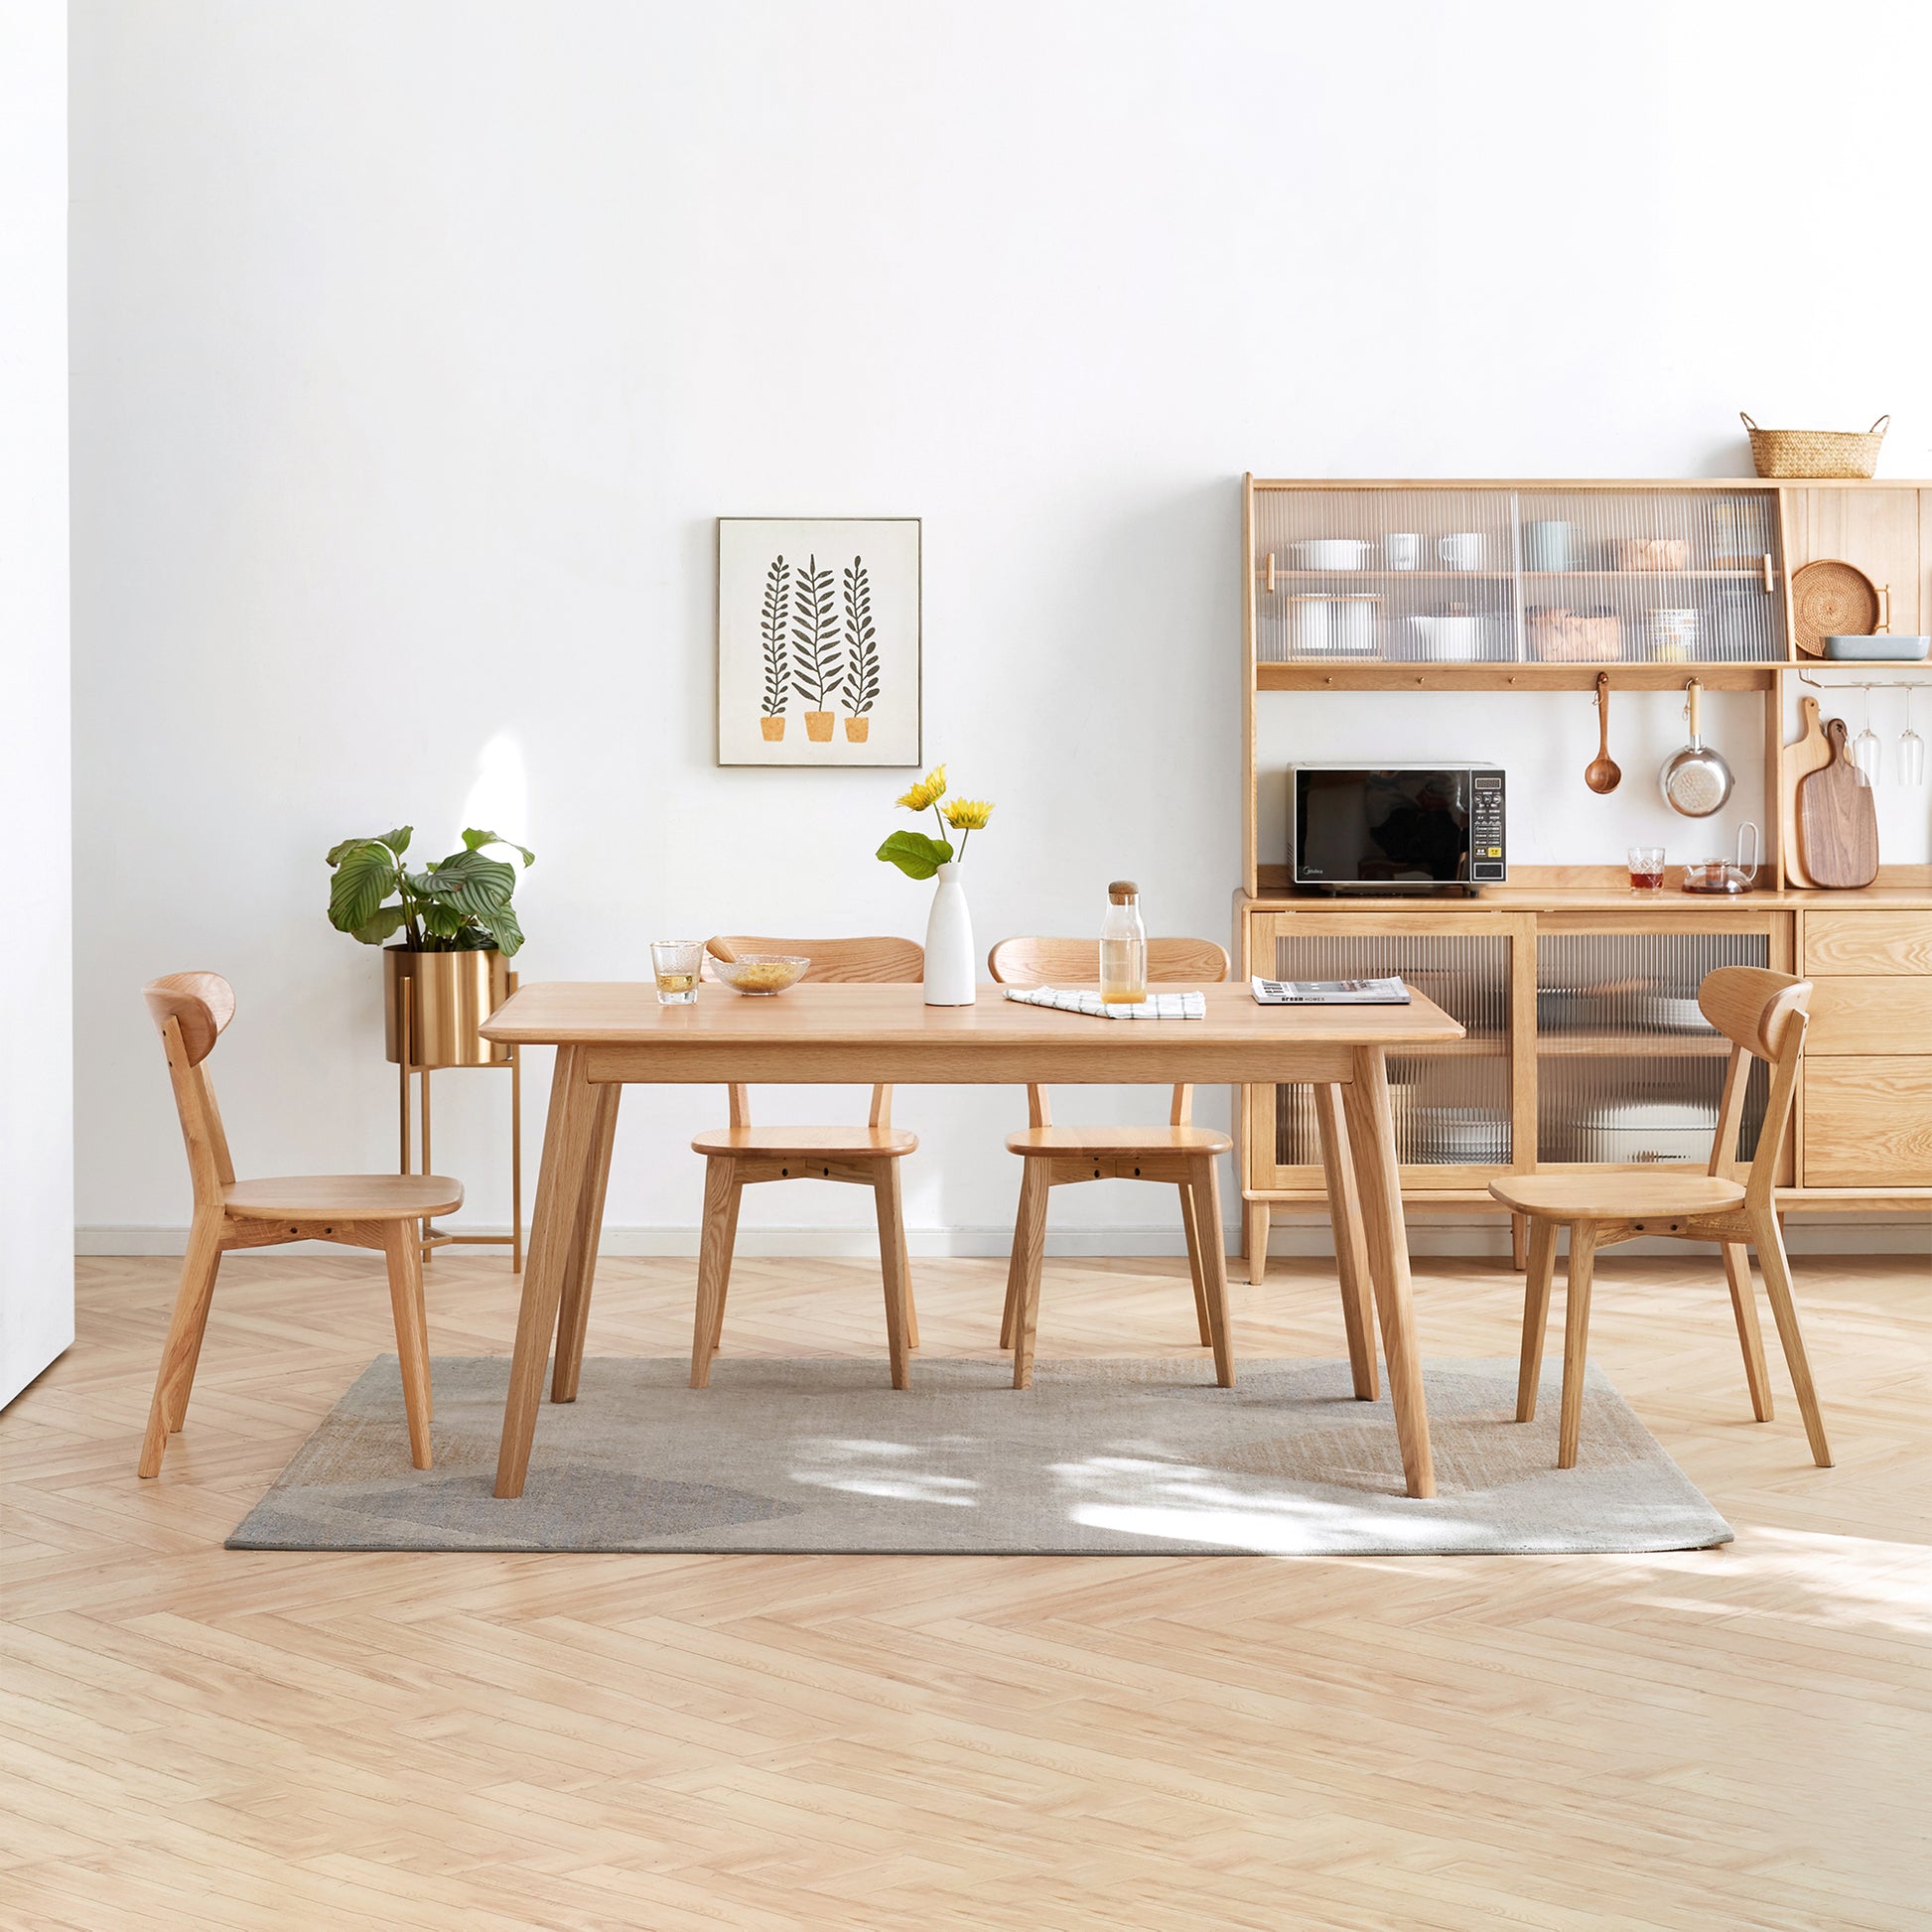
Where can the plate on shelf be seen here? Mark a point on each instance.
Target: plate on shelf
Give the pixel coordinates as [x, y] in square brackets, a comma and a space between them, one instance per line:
[1832, 599]
[1883, 649]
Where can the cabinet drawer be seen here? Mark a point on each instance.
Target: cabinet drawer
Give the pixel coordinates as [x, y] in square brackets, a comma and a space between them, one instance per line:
[1868, 1122]
[1867, 942]
[1870, 1015]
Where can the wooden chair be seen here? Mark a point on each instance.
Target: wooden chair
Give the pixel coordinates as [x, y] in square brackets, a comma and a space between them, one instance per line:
[385, 1211]
[1180, 1154]
[1764, 1014]
[737, 1155]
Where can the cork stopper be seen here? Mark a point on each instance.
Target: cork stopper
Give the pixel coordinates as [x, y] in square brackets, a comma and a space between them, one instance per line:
[1122, 889]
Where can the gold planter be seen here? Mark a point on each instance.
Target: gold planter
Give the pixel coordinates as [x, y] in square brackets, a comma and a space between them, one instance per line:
[449, 995]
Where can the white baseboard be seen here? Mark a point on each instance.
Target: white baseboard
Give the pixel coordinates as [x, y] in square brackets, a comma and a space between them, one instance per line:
[1462, 1234]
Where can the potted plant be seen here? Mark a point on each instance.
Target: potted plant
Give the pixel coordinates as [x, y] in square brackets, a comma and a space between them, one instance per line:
[950, 967]
[817, 661]
[454, 929]
[771, 631]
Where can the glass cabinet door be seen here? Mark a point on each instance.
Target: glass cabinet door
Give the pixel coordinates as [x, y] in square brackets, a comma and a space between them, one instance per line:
[1462, 1111]
[1630, 1072]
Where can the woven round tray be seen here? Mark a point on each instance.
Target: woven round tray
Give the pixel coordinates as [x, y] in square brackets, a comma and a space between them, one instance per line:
[1832, 600]
[1816, 452]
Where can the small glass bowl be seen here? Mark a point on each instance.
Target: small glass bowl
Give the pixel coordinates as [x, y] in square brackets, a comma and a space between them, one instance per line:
[760, 973]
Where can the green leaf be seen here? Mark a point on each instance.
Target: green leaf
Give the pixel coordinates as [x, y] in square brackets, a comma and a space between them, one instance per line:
[365, 875]
[914, 854]
[473, 841]
[441, 921]
[508, 934]
[471, 883]
[397, 842]
[378, 931]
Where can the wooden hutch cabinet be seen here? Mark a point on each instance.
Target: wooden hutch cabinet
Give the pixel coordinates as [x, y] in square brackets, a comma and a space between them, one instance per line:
[1585, 1045]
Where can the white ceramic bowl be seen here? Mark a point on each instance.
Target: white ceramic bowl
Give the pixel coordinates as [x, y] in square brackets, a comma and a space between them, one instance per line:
[1330, 553]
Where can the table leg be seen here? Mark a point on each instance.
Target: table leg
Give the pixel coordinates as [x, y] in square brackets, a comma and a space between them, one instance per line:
[1352, 1243]
[574, 1306]
[1371, 1137]
[1203, 1182]
[569, 1137]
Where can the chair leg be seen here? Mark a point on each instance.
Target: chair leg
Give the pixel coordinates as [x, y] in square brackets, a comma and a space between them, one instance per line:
[1191, 1230]
[1772, 1257]
[1536, 1314]
[1743, 1306]
[1204, 1184]
[905, 1275]
[1575, 1339]
[1016, 1265]
[1519, 1242]
[714, 1263]
[1029, 1248]
[731, 1252]
[892, 1264]
[402, 1243]
[182, 1349]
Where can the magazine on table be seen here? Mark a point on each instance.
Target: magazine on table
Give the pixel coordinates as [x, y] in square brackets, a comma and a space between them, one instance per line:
[1329, 993]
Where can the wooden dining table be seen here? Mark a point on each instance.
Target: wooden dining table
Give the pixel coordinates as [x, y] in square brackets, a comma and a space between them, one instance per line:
[609, 1035]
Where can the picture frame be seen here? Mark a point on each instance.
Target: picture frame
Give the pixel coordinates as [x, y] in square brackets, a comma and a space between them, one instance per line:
[820, 644]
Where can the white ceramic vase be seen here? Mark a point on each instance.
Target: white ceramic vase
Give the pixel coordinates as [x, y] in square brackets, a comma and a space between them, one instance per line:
[950, 967]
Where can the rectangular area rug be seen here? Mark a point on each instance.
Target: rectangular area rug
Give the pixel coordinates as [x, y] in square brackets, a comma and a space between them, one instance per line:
[1101, 1457]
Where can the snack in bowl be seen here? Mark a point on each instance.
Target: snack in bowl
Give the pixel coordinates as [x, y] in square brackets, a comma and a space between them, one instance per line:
[760, 972]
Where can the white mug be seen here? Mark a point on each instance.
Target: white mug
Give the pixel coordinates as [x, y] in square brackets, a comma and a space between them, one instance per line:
[1403, 550]
[1464, 551]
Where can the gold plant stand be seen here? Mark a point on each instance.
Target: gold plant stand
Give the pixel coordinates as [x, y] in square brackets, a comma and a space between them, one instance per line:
[433, 1236]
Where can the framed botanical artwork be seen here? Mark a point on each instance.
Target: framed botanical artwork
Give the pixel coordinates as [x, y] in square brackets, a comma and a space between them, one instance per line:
[818, 640]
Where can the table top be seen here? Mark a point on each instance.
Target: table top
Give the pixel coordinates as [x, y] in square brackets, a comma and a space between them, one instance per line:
[584, 1013]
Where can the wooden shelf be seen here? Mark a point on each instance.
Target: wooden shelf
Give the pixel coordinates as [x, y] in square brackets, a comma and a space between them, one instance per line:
[1381, 675]
[1580, 1045]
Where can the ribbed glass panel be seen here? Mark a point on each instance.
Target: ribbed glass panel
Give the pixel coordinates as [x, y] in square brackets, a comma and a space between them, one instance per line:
[1628, 1067]
[1450, 1109]
[1551, 576]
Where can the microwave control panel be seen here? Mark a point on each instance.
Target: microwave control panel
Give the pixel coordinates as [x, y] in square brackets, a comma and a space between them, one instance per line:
[1487, 862]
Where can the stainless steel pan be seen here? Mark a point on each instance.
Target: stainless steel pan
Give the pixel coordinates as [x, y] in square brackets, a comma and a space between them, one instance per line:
[1695, 781]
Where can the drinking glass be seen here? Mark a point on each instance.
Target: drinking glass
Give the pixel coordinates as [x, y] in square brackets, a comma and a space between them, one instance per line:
[676, 963]
[1912, 748]
[1866, 752]
[1646, 868]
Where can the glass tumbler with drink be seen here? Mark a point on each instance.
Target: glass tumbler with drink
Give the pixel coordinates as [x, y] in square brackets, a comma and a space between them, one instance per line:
[1646, 868]
[675, 963]
[1123, 948]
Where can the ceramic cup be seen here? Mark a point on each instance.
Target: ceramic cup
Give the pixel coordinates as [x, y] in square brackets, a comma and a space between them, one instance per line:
[1403, 550]
[1463, 551]
[1549, 546]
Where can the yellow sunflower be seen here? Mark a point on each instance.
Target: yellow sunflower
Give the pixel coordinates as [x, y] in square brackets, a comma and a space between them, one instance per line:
[968, 814]
[928, 792]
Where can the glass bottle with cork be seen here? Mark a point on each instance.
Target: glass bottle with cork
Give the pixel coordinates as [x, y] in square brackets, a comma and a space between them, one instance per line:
[1123, 948]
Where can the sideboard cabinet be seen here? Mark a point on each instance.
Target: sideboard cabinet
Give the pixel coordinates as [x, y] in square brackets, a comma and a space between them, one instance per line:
[1586, 1048]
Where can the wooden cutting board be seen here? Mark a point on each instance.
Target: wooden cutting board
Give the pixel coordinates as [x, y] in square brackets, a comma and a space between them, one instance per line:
[1838, 823]
[1810, 753]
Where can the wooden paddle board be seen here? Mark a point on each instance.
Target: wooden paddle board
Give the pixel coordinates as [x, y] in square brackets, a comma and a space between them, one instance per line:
[1838, 822]
[1810, 752]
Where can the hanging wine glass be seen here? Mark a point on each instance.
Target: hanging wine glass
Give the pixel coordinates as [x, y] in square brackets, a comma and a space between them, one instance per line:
[1866, 752]
[1912, 748]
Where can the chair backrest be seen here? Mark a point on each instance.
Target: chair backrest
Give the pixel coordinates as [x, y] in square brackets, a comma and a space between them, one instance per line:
[190, 1013]
[872, 961]
[1764, 1015]
[1034, 961]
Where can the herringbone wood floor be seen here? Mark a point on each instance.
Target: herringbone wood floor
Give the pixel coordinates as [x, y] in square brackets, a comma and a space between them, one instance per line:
[1731, 1738]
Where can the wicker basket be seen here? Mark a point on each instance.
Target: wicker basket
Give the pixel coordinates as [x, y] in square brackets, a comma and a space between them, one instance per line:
[1815, 451]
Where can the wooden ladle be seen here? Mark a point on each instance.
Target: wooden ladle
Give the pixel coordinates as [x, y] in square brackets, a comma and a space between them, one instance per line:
[1603, 773]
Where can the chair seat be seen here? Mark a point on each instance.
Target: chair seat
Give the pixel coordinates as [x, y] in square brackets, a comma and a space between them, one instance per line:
[345, 1196]
[1074, 1141]
[1617, 1196]
[844, 1143]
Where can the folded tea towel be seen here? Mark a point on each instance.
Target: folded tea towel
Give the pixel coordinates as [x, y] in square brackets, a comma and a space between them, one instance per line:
[1157, 1005]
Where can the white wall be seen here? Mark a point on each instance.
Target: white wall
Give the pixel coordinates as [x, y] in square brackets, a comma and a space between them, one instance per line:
[36, 1045]
[418, 346]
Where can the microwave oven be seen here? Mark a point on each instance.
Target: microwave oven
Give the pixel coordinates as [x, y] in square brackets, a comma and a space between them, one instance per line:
[1391, 827]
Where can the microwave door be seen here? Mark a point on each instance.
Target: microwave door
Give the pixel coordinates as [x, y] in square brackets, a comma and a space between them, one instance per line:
[1418, 834]
[1332, 832]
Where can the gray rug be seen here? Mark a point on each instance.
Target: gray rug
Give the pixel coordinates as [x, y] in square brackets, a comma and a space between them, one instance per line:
[1098, 1457]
